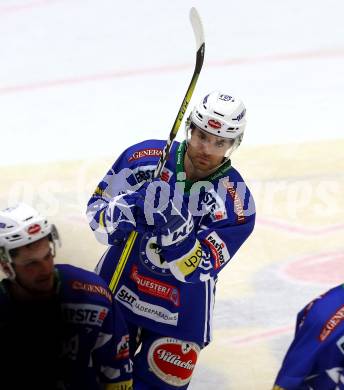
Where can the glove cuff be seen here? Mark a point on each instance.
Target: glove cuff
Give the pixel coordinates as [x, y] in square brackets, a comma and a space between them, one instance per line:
[175, 251]
[184, 258]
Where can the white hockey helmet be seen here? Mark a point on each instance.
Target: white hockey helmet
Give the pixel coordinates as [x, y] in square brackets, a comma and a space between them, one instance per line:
[221, 115]
[22, 225]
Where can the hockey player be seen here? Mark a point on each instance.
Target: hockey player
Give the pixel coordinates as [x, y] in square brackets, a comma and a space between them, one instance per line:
[190, 224]
[60, 328]
[315, 358]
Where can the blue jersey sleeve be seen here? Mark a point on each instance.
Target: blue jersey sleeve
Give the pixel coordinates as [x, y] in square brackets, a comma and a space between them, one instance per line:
[111, 352]
[315, 358]
[220, 230]
[299, 360]
[123, 176]
[96, 339]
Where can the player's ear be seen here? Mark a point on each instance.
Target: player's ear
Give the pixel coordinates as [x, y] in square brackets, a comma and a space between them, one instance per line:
[5, 268]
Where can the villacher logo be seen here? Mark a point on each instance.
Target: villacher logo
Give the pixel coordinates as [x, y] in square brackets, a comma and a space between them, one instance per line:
[172, 360]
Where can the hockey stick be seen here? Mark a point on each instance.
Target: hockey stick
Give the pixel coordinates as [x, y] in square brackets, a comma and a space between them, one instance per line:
[200, 47]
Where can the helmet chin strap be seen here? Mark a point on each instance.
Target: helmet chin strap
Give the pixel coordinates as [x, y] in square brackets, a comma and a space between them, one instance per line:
[11, 273]
[6, 266]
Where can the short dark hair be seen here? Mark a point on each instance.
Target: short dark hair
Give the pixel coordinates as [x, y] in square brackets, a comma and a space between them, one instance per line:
[14, 252]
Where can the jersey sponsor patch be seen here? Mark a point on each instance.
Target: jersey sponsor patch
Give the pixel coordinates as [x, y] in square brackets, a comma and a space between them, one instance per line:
[214, 205]
[189, 263]
[146, 173]
[92, 288]
[172, 360]
[218, 249]
[332, 324]
[154, 312]
[238, 206]
[218, 215]
[150, 255]
[123, 348]
[149, 152]
[80, 313]
[155, 287]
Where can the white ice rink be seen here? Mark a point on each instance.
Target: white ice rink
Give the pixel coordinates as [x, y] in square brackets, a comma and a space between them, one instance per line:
[80, 73]
[83, 79]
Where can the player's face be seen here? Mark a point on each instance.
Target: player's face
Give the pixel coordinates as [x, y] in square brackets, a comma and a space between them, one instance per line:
[206, 151]
[34, 267]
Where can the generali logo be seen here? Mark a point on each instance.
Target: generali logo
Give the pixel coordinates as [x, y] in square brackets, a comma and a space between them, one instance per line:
[149, 152]
[34, 229]
[332, 324]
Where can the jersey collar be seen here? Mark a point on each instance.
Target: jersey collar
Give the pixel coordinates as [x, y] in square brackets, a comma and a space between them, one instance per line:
[180, 154]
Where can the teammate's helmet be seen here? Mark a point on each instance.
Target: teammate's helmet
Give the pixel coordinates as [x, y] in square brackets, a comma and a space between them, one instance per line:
[22, 225]
[221, 115]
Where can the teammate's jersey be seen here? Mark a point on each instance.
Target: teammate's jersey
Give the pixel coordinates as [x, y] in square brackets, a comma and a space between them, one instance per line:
[80, 330]
[315, 359]
[150, 295]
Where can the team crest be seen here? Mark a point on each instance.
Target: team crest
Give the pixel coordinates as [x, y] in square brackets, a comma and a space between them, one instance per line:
[150, 254]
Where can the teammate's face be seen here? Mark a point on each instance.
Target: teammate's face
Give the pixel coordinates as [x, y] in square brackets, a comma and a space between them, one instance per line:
[34, 267]
[206, 151]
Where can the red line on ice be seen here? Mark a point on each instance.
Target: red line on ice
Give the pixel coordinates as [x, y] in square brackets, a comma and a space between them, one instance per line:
[22, 7]
[320, 54]
[262, 335]
[299, 229]
[325, 268]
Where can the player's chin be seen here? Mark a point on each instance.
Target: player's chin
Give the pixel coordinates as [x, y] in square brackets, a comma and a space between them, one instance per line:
[202, 163]
[45, 284]
[206, 165]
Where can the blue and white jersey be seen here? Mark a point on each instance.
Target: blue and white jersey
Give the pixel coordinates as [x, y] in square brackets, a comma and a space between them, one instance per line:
[150, 294]
[76, 339]
[96, 342]
[315, 359]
